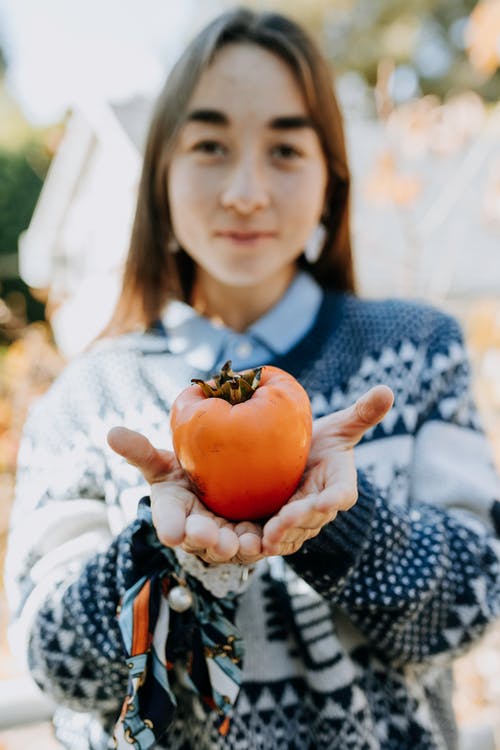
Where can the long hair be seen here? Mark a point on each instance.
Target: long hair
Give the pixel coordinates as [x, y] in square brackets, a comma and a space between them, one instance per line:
[153, 275]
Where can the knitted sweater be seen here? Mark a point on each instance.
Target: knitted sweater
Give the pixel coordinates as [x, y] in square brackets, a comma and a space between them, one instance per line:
[348, 642]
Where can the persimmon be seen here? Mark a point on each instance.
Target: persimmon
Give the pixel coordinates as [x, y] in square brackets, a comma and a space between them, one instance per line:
[243, 440]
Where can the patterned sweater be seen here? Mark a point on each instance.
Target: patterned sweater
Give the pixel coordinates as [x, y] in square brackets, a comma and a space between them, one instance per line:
[348, 642]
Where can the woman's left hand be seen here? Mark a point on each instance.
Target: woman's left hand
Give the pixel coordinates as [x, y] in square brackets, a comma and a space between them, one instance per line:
[329, 483]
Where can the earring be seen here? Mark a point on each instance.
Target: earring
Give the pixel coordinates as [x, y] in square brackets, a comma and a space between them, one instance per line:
[315, 244]
[172, 245]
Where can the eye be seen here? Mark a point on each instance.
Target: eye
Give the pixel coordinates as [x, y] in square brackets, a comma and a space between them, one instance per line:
[210, 148]
[286, 151]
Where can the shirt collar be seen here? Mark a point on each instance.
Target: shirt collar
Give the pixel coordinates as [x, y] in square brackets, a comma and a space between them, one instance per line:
[292, 316]
[202, 342]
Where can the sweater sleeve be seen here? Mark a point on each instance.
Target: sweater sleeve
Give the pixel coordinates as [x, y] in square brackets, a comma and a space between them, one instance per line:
[69, 576]
[65, 572]
[421, 581]
[75, 651]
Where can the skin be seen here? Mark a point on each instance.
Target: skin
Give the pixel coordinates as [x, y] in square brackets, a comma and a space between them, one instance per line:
[246, 183]
[246, 188]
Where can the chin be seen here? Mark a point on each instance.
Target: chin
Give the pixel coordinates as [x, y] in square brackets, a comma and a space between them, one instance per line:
[245, 281]
[242, 277]
[253, 273]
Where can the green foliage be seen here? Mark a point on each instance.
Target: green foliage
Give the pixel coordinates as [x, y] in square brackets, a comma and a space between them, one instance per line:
[22, 173]
[24, 161]
[19, 190]
[3, 62]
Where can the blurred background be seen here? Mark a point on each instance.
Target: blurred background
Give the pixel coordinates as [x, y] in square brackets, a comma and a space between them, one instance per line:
[419, 81]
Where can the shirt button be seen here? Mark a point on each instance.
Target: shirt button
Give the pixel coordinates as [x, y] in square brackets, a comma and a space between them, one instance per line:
[244, 349]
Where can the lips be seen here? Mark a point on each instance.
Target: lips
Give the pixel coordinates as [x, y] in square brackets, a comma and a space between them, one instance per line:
[238, 235]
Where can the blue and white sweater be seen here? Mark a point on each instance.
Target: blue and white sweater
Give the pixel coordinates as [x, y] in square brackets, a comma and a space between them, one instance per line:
[348, 642]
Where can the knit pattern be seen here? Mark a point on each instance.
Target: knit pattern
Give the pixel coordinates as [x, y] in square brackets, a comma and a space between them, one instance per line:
[349, 641]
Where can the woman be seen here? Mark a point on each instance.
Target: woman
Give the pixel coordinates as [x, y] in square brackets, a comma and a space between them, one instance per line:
[334, 623]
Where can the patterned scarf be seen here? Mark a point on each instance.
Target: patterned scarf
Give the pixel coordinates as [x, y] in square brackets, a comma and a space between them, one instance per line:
[199, 648]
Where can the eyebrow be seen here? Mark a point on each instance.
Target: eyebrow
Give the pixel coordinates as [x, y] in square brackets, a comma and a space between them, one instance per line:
[212, 116]
[216, 117]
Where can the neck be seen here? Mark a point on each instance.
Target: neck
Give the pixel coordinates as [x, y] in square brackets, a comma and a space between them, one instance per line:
[237, 307]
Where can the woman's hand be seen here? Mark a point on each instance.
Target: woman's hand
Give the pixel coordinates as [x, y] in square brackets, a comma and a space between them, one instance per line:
[329, 485]
[180, 519]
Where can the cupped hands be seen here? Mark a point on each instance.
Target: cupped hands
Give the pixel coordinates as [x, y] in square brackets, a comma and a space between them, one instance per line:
[329, 485]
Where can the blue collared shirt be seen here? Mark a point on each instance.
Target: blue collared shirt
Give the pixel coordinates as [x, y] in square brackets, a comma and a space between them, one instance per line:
[206, 346]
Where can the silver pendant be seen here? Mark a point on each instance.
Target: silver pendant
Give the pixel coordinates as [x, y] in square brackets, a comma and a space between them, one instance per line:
[180, 598]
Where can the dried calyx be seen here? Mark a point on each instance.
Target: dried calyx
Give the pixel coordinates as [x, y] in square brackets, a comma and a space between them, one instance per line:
[231, 386]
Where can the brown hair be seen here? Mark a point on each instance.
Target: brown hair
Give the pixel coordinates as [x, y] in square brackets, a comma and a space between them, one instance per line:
[152, 275]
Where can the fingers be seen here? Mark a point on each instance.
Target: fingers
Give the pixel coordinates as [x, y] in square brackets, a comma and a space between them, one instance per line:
[210, 540]
[372, 407]
[287, 548]
[288, 542]
[170, 508]
[206, 539]
[294, 524]
[225, 549]
[171, 503]
[333, 499]
[250, 548]
[303, 519]
[155, 465]
[240, 544]
[198, 534]
[369, 410]
[315, 509]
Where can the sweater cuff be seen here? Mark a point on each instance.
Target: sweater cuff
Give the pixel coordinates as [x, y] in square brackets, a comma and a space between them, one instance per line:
[338, 546]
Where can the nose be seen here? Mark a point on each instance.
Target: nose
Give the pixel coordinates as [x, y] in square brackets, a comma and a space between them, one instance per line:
[246, 190]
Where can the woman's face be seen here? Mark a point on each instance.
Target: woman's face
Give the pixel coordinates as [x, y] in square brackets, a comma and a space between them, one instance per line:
[247, 178]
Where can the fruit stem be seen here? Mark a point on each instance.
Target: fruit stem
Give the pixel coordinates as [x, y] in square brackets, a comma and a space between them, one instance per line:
[234, 387]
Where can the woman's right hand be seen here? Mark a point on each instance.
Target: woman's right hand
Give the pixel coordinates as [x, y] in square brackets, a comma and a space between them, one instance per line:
[179, 517]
